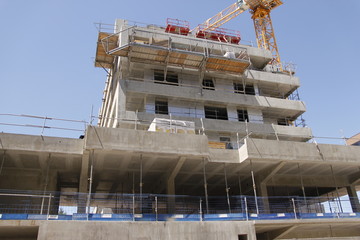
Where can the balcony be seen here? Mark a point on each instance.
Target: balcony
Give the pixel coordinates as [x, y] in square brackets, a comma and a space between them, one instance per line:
[260, 130]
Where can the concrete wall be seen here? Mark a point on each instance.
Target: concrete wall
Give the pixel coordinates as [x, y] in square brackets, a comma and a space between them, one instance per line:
[144, 141]
[296, 151]
[41, 143]
[61, 230]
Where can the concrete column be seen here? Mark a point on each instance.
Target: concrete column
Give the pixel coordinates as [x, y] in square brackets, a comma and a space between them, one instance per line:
[263, 193]
[170, 184]
[170, 188]
[354, 199]
[83, 182]
[262, 186]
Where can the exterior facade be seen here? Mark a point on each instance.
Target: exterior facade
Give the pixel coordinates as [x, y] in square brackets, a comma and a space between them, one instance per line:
[196, 139]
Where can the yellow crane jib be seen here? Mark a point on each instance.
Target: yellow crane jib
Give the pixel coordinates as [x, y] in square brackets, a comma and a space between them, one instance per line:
[260, 10]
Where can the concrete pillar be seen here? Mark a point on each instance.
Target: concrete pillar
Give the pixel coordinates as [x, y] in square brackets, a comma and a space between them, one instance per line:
[170, 184]
[354, 199]
[83, 182]
[263, 193]
[170, 188]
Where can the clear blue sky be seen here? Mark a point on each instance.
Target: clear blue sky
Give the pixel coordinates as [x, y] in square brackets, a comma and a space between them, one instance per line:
[47, 49]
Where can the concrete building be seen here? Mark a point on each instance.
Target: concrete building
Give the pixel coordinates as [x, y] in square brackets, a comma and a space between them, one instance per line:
[354, 140]
[197, 139]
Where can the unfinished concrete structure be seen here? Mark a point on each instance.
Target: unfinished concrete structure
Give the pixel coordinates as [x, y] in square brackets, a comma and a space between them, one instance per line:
[189, 130]
[354, 140]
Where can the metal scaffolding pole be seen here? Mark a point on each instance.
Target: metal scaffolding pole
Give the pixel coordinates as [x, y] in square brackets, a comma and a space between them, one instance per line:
[90, 182]
[302, 185]
[240, 190]
[205, 188]
[337, 189]
[141, 181]
[200, 210]
[227, 189]
[254, 188]
[46, 183]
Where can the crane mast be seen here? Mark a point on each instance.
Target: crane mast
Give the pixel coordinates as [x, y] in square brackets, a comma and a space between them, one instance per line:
[260, 10]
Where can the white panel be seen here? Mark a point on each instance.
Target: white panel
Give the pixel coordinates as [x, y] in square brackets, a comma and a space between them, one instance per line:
[255, 116]
[232, 114]
[150, 105]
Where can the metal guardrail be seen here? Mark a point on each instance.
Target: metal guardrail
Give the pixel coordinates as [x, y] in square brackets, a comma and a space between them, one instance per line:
[152, 207]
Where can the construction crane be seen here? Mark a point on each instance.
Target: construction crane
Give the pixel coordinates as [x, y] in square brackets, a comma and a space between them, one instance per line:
[260, 10]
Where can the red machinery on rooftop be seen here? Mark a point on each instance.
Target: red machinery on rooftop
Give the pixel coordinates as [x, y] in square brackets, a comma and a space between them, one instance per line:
[182, 27]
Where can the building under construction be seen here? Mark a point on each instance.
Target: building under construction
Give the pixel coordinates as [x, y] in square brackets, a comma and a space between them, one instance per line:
[200, 136]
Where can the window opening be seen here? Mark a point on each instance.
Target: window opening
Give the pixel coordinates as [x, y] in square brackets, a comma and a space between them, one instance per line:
[282, 122]
[216, 113]
[243, 236]
[239, 88]
[243, 115]
[171, 78]
[161, 107]
[208, 84]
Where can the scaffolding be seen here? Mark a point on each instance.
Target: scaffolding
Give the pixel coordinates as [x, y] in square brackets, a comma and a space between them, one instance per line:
[147, 45]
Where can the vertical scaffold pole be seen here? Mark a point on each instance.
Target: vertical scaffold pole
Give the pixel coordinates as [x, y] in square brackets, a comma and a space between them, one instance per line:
[202, 126]
[237, 140]
[156, 208]
[254, 188]
[240, 190]
[205, 187]
[227, 189]
[302, 185]
[133, 207]
[141, 181]
[246, 209]
[337, 189]
[45, 184]
[200, 210]
[246, 126]
[90, 183]
[294, 207]
[171, 131]
[136, 118]
[48, 209]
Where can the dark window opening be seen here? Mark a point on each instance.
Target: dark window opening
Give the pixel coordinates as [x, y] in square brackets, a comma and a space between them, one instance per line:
[243, 115]
[171, 78]
[243, 236]
[282, 121]
[208, 84]
[216, 113]
[239, 88]
[161, 107]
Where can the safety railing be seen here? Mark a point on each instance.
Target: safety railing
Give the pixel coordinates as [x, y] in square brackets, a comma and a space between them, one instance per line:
[152, 207]
[42, 125]
[70, 128]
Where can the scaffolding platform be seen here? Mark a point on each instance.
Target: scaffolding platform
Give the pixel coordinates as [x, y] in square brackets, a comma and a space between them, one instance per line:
[146, 46]
[103, 59]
